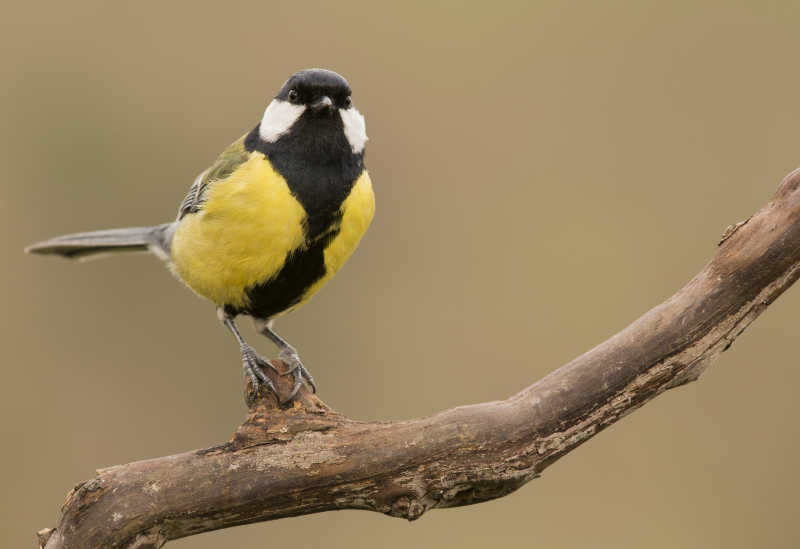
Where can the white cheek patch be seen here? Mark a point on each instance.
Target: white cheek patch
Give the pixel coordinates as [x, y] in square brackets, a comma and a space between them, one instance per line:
[355, 129]
[278, 119]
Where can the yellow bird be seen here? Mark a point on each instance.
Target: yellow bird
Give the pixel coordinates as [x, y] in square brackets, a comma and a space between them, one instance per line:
[272, 219]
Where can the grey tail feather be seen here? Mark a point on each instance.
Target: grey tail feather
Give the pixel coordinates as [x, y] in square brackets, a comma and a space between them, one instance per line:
[83, 245]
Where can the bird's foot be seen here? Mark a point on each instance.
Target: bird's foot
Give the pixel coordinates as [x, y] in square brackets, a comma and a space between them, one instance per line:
[296, 368]
[253, 364]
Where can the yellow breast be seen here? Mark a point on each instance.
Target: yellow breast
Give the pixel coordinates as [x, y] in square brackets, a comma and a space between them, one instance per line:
[249, 222]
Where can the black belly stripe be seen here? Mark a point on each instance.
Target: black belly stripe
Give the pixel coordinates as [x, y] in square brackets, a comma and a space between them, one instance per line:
[320, 169]
[301, 269]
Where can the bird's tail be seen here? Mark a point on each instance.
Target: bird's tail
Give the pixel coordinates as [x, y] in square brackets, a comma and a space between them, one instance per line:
[84, 245]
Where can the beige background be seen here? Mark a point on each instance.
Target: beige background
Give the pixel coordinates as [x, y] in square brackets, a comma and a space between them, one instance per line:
[544, 174]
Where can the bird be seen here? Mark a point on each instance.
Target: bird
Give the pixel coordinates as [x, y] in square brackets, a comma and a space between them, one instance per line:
[269, 222]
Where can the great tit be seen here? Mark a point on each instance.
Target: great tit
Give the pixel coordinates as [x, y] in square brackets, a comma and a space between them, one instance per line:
[272, 219]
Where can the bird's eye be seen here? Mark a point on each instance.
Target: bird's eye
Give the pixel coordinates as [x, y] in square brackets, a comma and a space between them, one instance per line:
[292, 95]
[348, 102]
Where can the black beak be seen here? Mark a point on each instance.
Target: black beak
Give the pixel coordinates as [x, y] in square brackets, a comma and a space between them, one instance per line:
[323, 104]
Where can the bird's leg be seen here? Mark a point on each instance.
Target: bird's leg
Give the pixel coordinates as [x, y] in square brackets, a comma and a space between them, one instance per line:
[289, 355]
[250, 360]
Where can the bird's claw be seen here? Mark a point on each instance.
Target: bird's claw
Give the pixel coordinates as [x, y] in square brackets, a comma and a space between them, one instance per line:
[253, 365]
[296, 368]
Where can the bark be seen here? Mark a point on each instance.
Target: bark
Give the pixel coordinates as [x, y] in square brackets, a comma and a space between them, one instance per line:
[306, 458]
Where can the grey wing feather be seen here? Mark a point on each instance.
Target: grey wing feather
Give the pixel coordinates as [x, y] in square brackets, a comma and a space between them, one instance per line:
[193, 200]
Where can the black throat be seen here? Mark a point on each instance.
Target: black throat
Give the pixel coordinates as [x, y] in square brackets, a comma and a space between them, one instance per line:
[318, 164]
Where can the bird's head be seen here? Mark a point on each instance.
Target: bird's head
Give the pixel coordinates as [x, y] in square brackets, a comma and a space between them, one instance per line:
[314, 100]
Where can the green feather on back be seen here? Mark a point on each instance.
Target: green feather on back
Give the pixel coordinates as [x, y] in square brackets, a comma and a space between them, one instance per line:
[225, 164]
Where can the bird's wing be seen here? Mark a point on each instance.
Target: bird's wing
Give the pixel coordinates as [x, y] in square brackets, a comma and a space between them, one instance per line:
[227, 162]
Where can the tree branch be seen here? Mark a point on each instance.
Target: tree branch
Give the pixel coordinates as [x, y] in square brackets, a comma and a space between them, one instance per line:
[307, 458]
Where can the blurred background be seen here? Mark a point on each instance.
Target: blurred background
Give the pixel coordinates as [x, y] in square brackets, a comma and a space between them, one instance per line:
[545, 172]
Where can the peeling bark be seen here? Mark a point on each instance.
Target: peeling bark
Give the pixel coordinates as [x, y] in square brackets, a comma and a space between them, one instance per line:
[307, 458]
